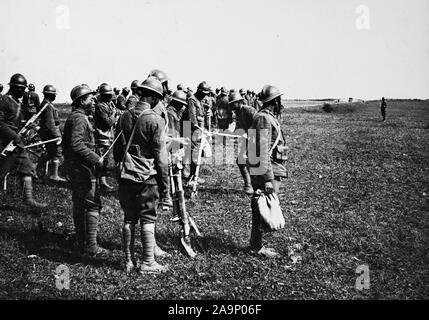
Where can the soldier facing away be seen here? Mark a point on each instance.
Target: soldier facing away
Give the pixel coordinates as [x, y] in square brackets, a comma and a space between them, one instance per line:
[144, 137]
[30, 102]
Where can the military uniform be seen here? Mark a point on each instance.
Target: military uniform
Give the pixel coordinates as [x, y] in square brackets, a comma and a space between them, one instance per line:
[104, 120]
[12, 119]
[30, 104]
[138, 199]
[80, 160]
[131, 102]
[224, 111]
[271, 167]
[121, 102]
[383, 109]
[49, 129]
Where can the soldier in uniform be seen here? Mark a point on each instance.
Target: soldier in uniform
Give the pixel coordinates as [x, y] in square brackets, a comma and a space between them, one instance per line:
[248, 98]
[30, 102]
[383, 108]
[268, 168]
[82, 164]
[175, 112]
[138, 198]
[104, 119]
[122, 99]
[50, 129]
[134, 97]
[224, 114]
[12, 119]
[195, 115]
[244, 116]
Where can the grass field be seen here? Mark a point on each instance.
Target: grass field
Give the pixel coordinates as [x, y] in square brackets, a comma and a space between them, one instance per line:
[357, 194]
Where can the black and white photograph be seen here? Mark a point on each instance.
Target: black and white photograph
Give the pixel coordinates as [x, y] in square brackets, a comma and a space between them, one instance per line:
[228, 153]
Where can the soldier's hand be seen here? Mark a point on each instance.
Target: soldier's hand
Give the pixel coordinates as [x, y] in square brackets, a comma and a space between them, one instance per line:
[269, 188]
[100, 163]
[58, 142]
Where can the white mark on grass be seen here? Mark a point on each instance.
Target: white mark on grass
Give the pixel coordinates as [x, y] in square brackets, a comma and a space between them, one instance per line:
[362, 282]
[62, 277]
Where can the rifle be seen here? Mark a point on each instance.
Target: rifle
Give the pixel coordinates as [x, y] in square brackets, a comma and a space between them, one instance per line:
[193, 182]
[24, 131]
[179, 208]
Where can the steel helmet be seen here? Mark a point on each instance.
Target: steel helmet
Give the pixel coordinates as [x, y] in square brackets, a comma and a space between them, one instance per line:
[241, 91]
[50, 89]
[79, 92]
[179, 87]
[105, 89]
[223, 91]
[31, 87]
[235, 97]
[152, 84]
[18, 80]
[269, 93]
[160, 75]
[204, 87]
[180, 96]
[135, 84]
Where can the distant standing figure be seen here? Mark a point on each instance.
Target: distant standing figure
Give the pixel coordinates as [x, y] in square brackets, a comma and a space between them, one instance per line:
[383, 108]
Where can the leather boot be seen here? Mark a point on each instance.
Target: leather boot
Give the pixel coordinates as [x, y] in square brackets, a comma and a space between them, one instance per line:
[27, 189]
[246, 178]
[79, 226]
[55, 177]
[256, 233]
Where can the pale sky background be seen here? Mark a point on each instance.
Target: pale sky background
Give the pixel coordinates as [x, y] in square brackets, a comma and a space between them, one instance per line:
[309, 49]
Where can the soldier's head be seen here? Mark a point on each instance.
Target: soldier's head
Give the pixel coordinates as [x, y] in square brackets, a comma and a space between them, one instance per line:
[217, 91]
[17, 84]
[178, 100]
[162, 77]
[31, 87]
[151, 91]
[202, 90]
[117, 91]
[83, 98]
[382, 99]
[235, 100]
[223, 91]
[270, 97]
[242, 92]
[180, 87]
[106, 92]
[125, 91]
[135, 86]
[49, 92]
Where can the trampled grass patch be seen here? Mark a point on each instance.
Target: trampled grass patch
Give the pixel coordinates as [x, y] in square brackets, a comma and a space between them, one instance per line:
[357, 194]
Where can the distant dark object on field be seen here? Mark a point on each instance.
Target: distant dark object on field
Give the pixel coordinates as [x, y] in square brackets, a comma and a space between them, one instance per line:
[327, 107]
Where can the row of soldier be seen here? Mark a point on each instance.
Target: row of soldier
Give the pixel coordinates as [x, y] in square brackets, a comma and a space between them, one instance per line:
[143, 123]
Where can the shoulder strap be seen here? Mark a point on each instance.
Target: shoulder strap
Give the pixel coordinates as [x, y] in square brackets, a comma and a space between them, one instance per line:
[133, 132]
[276, 125]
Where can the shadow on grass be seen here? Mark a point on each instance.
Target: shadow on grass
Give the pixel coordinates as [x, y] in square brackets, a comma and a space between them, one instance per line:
[54, 247]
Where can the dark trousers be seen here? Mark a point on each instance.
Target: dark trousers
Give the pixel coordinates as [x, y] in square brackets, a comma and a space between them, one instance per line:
[138, 200]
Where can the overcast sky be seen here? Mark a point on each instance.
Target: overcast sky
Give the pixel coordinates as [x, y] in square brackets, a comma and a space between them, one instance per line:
[309, 49]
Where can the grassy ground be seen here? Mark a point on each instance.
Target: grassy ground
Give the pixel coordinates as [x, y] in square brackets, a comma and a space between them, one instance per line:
[357, 194]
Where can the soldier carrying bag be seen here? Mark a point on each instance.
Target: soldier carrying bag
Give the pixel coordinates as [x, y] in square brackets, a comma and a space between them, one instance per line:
[135, 168]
